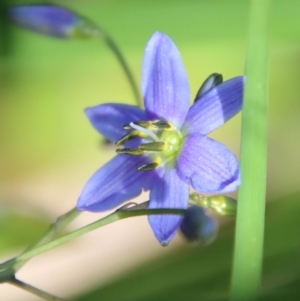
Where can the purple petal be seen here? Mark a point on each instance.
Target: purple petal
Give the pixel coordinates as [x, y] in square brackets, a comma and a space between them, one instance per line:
[165, 83]
[169, 192]
[52, 20]
[109, 119]
[216, 106]
[210, 166]
[113, 184]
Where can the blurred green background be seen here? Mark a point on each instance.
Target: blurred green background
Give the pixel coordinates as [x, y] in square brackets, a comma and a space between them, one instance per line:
[48, 148]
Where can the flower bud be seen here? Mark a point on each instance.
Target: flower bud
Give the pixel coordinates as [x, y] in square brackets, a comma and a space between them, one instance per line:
[221, 204]
[196, 226]
[211, 82]
[53, 21]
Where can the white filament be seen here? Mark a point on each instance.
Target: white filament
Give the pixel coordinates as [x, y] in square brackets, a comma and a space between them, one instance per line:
[143, 130]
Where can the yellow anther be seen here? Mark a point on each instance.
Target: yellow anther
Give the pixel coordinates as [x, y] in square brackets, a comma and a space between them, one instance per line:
[161, 138]
[131, 135]
[153, 146]
[148, 167]
[163, 125]
[144, 124]
[155, 125]
[130, 151]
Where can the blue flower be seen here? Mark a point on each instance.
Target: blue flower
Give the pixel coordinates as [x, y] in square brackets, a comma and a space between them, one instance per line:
[52, 20]
[165, 147]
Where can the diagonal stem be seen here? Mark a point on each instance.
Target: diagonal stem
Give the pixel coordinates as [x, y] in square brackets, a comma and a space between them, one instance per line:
[55, 229]
[35, 291]
[6, 268]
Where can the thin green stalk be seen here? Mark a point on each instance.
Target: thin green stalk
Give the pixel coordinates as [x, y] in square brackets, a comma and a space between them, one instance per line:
[7, 267]
[55, 229]
[117, 52]
[35, 291]
[248, 252]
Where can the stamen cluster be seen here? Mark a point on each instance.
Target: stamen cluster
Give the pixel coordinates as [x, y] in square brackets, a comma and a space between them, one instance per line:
[160, 139]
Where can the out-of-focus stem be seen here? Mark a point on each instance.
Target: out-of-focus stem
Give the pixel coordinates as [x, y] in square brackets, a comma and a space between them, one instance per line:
[55, 229]
[35, 291]
[117, 52]
[247, 265]
[6, 267]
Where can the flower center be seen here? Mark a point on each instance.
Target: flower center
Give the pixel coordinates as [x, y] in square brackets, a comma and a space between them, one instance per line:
[161, 140]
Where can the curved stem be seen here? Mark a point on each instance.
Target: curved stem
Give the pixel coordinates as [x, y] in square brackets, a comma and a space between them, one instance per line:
[7, 267]
[117, 52]
[33, 290]
[55, 229]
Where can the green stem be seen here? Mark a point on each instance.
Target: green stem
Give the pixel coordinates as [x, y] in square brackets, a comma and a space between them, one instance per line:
[248, 252]
[55, 229]
[7, 267]
[33, 290]
[117, 52]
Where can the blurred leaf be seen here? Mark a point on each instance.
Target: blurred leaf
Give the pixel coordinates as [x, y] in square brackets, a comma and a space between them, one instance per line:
[204, 273]
[18, 229]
